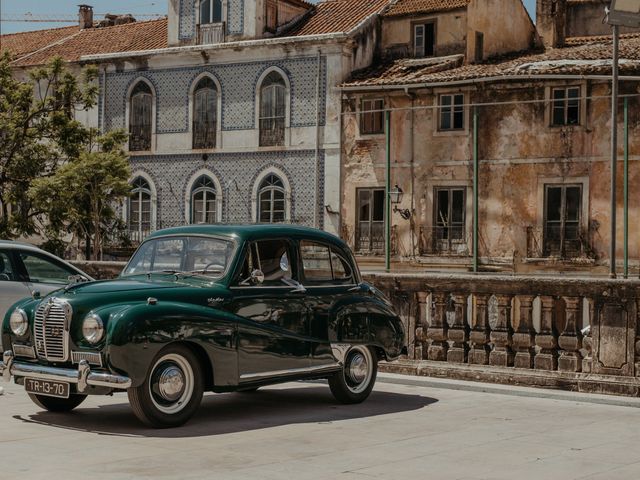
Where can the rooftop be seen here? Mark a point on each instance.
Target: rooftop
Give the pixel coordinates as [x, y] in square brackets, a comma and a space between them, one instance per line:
[410, 7]
[337, 16]
[70, 43]
[587, 58]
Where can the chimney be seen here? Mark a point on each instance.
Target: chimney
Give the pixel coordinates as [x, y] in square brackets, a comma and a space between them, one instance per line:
[551, 18]
[85, 15]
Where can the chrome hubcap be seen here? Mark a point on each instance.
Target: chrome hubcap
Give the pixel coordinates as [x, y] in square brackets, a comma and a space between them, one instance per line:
[357, 368]
[171, 383]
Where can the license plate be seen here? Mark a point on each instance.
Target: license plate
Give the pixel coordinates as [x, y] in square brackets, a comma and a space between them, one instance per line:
[47, 387]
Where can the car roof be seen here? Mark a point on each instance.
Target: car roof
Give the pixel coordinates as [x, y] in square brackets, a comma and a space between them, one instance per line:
[254, 232]
[15, 243]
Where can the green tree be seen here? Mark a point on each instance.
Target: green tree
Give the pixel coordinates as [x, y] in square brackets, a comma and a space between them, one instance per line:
[38, 132]
[79, 197]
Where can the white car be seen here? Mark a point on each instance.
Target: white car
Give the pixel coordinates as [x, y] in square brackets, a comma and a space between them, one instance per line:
[25, 269]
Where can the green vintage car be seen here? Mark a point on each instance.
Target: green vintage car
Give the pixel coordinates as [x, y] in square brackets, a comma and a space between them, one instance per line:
[205, 308]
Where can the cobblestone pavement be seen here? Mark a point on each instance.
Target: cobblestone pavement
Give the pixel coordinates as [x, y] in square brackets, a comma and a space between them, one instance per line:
[434, 430]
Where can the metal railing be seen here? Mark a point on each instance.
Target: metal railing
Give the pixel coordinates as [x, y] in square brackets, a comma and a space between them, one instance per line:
[552, 241]
[440, 240]
[211, 33]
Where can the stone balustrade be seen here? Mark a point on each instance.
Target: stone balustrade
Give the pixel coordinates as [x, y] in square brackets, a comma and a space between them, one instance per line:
[520, 329]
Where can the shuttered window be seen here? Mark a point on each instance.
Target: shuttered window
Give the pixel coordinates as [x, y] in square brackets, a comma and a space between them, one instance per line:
[272, 110]
[205, 108]
[140, 118]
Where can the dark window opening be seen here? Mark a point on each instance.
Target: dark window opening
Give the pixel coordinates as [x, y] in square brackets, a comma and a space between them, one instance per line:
[205, 111]
[372, 117]
[272, 110]
[452, 112]
[140, 118]
[210, 11]
[562, 212]
[370, 221]
[566, 106]
[450, 215]
[479, 47]
[424, 40]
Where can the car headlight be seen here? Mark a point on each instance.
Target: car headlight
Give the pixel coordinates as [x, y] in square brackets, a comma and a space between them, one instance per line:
[92, 328]
[19, 322]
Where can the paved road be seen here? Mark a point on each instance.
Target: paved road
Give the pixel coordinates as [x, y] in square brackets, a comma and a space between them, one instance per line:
[295, 431]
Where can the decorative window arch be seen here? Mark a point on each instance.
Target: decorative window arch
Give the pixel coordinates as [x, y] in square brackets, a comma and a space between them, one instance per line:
[140, 116]
[203, 198]
[205, 113]
[272, 197]
[272, 113]
[141, 211]
[210, 11]
[203, 201]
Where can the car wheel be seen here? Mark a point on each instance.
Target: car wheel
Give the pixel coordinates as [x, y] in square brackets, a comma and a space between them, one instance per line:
[53, 404]
[172, 391]
[354, 382]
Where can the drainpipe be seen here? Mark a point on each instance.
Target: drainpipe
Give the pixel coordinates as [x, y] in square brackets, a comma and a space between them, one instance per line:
[387, 198]
[475, 189]
[412, 223]
[318, 179]
[104, 97]
[614, 150]
[626, 188]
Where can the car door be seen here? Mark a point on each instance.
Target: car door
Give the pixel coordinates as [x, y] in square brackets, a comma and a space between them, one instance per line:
[13, 285]
[273, 331]
[329, 279]
[44, 274]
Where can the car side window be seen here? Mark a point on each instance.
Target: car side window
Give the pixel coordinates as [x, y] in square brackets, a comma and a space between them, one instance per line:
[271, 257]
[43, 270]
[322, 265]
[6, 270]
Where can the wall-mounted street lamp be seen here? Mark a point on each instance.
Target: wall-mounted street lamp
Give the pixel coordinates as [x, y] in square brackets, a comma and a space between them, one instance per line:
[395, 195]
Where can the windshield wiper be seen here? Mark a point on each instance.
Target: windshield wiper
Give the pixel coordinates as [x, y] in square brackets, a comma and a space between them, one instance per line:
[172, 272]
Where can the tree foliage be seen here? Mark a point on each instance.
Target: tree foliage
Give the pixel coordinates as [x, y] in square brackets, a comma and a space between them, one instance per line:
[38, 132]
[79, 197]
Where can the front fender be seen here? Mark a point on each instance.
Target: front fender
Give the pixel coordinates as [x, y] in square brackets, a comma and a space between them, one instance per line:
[137, 333]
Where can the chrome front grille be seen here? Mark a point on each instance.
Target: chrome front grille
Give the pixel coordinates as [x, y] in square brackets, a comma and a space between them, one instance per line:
[51, 330]
[93, 358]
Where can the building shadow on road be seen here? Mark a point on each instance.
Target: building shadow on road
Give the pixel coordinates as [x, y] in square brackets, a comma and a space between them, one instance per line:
[236, 412]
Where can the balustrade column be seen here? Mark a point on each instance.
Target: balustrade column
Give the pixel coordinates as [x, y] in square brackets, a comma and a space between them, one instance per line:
[420, 352]
[547, 337]
[459, 332]
[479, 336]
[501, 335]
[524, 336]
[437, 331]
[570, 340]
[587, 341]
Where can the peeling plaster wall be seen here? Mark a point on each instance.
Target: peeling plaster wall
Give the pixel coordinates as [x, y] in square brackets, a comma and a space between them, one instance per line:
[584, 19]
[519, 153]
[451, 31]
[515, 34]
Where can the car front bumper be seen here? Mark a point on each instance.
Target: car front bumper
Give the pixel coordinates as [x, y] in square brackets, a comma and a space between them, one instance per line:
[83, 377]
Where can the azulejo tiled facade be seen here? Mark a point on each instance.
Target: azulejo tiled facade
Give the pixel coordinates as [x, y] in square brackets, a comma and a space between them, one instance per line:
[237, 175]
[238, 82]
[187, 23]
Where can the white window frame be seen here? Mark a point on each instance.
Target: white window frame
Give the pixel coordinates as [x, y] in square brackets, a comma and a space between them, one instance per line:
[189, 191]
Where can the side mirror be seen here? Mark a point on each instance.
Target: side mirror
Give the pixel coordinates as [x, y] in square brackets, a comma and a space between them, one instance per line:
[257, 277]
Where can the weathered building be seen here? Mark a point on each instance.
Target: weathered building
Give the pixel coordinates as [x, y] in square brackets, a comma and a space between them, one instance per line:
[238, 118]
[543, 129]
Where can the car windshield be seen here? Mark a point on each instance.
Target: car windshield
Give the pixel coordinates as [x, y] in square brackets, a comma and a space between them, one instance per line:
[179, 255]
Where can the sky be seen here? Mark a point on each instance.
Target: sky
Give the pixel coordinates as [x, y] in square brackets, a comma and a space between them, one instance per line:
[70, 7]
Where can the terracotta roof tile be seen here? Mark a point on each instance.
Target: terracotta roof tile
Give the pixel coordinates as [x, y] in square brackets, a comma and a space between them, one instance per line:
[336, 16]
[22, 43]
[410, 7]
[91, 41]
[589, 59]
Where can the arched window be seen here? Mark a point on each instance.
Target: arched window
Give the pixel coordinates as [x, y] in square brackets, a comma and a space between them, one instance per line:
[205, 108]
[210, 11]
[140, 117]
[271, 200]
[272, 110]
[203, 200]
[139, 214]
